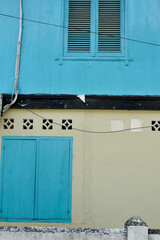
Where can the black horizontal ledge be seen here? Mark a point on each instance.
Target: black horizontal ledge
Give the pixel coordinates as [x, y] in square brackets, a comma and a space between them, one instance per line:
[91, 102]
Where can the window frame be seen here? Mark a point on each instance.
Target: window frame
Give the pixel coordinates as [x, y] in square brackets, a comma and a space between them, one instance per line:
[94, 53]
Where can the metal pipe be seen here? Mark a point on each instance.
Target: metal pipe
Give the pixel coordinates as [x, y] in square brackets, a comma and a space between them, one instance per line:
[15, 89]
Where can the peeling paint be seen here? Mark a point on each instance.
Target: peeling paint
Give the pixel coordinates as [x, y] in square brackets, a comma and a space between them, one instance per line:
[82, 97]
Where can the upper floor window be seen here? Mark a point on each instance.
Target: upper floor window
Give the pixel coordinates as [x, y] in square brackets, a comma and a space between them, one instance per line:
[94, 28]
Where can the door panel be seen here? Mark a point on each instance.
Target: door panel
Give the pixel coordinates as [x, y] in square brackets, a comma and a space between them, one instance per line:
[53, 179]
[17, 198]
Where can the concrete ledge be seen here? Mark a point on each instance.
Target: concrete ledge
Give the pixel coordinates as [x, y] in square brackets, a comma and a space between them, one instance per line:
[62, 230]
[154, 236]
[40, 233]
[136, 229]
[58, 236]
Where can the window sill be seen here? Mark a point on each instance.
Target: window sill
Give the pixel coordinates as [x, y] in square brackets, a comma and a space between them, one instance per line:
[111, 59]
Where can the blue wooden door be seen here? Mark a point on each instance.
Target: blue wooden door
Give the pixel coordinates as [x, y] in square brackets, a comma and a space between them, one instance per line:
[36, 179]
[53, 186]
[18, 176]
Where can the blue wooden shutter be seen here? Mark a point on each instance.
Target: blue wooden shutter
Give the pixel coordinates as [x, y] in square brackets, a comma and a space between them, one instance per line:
[109, 26]
[18, 178]
[79, 25]
[36, 179]
[53, 180]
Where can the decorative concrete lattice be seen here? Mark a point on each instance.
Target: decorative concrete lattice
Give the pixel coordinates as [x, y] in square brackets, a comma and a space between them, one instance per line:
[66, 124]
[155, 125]
[47, 124]
[8, 123]
[28, 124]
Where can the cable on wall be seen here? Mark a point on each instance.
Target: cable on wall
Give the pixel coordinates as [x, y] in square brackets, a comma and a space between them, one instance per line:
[89, 131]
[60, 26]
[15, 88]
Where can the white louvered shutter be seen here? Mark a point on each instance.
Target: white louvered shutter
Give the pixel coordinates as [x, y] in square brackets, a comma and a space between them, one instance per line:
[79, 25]
[109, 26]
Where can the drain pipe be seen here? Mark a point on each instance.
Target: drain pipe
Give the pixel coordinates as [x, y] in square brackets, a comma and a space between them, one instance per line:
[15, 89]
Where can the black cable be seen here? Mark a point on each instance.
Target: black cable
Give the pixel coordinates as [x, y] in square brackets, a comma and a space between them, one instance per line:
[87, 131]
[56, 25]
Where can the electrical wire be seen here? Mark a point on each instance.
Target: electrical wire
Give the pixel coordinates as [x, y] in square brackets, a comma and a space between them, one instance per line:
[61, 26]
[88, 131]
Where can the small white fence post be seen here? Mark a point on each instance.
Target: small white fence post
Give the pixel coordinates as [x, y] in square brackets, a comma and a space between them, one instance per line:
[137, 229]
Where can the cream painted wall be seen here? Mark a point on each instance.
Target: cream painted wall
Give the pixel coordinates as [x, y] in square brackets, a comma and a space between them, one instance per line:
[115, 176]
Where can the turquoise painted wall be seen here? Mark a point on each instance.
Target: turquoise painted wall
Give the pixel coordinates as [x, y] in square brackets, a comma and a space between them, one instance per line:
[41, 71]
